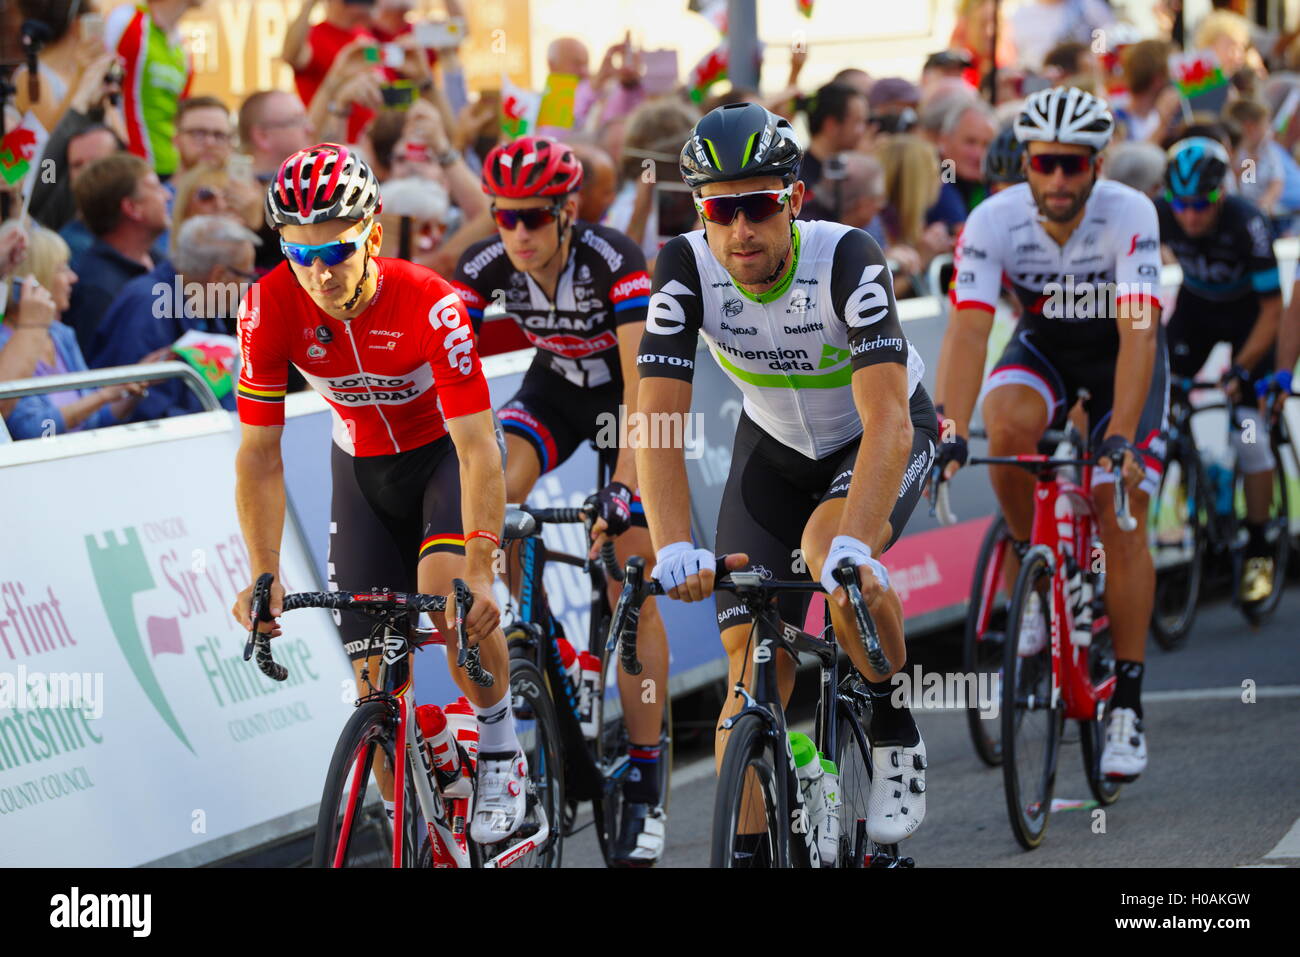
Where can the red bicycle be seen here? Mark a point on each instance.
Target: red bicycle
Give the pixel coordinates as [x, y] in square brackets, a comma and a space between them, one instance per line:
[1071, 676]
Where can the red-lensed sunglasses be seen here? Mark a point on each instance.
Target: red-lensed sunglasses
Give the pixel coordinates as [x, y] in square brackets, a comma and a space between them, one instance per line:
[534, 218]
[756, 206]
[1072, 164]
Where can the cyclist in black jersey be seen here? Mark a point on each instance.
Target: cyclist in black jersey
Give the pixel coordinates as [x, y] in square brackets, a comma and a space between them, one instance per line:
[579, 292]
[1230, 293]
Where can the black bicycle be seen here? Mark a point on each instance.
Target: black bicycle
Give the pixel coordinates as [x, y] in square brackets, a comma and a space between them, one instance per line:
[1197, 521]
[431, 809]
[757, 782]
[594, 767]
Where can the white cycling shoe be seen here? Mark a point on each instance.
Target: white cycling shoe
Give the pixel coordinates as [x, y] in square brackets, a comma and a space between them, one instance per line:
[1033, 628]
[502, 796]
[897, 804]
[1125, 754]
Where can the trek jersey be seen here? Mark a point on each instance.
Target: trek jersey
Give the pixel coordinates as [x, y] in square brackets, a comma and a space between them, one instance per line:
[157, 76]
[1069, 292]
[603, 285]
[390, 375]
[791, 351]
[1233, 261]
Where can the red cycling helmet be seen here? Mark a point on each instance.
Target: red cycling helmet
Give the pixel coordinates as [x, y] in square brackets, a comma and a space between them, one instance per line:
[320, 183]
[531, 166]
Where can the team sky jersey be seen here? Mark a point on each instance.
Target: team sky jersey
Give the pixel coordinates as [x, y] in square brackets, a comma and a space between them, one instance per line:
[792, 351]
[1070, 293]
[390, 374]
[1233, 261]
[603, 286]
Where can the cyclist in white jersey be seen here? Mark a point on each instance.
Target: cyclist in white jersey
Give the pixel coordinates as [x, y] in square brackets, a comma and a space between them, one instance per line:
[1082, 255]
[801, 316]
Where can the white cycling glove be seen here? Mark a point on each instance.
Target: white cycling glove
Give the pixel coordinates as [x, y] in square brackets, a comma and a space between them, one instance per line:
[846, 546]
[679, 561]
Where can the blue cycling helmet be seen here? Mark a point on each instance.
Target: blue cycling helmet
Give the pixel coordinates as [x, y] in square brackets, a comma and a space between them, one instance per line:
[1197, 167]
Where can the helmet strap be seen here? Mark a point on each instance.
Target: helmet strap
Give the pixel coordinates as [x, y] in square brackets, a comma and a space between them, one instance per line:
[356, 295]
[780, 267]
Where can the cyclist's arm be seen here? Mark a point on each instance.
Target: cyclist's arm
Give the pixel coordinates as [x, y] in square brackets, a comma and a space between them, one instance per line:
[629, 296]
[1266, 285]
[259, 495]
[1263, 334]
[977, 281]
[297, 51]
[1137, 317]
[863, 297]
[666, 361]
[483, 489]
[1288, 335]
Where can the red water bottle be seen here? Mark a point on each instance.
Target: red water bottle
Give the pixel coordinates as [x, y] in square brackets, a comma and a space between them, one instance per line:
[441, 743]
[589, 690]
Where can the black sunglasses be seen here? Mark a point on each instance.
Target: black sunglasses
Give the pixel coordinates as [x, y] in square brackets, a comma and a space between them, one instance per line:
[1072, 164]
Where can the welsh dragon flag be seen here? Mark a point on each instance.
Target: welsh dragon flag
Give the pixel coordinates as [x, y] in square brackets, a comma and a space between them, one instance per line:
[21, 150]
[519, 109]
[712, 69]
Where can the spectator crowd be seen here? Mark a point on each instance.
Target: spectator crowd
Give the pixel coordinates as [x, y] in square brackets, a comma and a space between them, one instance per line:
[156, 192]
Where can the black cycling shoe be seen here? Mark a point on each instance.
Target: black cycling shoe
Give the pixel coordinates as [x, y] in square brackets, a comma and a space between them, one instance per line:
[641, 838]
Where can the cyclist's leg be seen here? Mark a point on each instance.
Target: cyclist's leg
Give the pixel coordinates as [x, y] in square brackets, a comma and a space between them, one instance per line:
[1254, 452]
[1024, 396]
[767, 500]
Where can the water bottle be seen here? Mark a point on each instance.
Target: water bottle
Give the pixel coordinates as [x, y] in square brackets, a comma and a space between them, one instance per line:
[1078, 599]
[463, 723]
[588, 691]
[1218, 472]
[828, 835]
[569, 662]
[808, 769]
[440, 742]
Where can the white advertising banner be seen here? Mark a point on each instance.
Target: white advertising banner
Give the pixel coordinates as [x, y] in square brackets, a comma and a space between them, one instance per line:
[131, 728]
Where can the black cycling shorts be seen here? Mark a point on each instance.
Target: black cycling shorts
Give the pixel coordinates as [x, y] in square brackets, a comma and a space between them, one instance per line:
[554, 416]
[1197, 326]
[772, 491]
[1058, 373]
[386, 513]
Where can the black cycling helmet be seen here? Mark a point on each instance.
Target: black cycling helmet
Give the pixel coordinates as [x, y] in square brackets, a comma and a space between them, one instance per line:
[739, 141]
[1002, 161]
[1197, 167]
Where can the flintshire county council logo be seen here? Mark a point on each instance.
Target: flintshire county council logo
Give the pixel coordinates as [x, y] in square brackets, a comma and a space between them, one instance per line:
[121, 571]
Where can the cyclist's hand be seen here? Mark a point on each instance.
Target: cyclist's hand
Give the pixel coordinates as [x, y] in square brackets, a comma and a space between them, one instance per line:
[614, 513]
[1132, 469]
[1234, 383]
[872, 577]
[243, 610]
[686, 572]
[952, 455]
[484, 617]
[1279, 386]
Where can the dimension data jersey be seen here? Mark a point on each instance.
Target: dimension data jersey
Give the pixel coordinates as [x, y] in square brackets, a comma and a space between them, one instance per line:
[793, 350]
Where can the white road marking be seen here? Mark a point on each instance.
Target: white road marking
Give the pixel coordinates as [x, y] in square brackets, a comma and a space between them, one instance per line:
[1289, 846]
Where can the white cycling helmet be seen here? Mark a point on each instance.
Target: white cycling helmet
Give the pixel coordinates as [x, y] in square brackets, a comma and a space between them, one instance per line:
[1065, 114]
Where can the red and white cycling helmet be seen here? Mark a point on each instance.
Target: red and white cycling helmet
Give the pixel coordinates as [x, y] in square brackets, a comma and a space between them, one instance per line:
[323, 182]
[531, 166]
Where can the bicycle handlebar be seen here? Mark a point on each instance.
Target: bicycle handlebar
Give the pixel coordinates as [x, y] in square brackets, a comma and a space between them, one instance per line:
[371, 602]
[584, 515]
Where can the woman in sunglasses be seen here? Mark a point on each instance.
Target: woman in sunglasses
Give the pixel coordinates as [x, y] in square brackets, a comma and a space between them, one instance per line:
[836, 433]
[418, 497]
[1082, 255]
[1230, 293]
[579, 293]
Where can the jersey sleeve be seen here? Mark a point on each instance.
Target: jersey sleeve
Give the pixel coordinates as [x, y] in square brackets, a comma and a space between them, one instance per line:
[1137, 263]
[264, 363]
[1262, 264]
[674, 315]
[449, 345]
[473, 293]
[977, 263]
[862, 295]
[629, 287]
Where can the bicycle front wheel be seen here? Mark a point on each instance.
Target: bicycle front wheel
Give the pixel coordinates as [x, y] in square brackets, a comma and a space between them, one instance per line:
[984, 637]
[853, 759]
[1177, 539]
[348, 832]
[1031, 723]
[749, 818]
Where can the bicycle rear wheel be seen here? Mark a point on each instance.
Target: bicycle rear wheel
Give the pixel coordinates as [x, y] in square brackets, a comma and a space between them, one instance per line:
[853, 759]
[1177, 536]
[1031, 724]
[348, 833]
[1278, 532]
[538, 729]
[984, 636]
[750, 801]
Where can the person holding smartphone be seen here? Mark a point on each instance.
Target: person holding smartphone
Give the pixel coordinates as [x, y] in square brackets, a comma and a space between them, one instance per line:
[312, 49]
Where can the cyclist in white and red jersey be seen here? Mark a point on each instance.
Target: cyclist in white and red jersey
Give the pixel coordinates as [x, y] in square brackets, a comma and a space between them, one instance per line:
[1082, 255]
[418, 494]
[579, 292]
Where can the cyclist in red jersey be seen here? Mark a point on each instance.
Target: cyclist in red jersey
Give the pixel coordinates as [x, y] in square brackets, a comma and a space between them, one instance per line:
[389, 346]
[579, 291]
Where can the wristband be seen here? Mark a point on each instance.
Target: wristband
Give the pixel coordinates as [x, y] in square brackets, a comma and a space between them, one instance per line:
[447, 157]
[483, 533]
